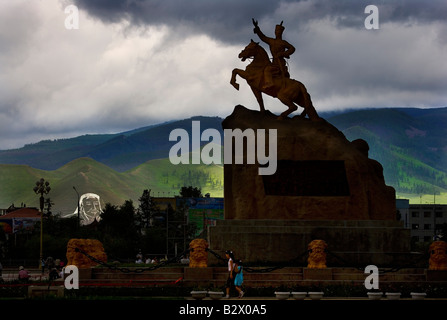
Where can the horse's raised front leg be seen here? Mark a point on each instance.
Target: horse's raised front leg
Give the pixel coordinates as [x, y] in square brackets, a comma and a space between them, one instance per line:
[236, 72]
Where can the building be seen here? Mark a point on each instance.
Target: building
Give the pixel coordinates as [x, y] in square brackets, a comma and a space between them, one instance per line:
[20, 220]
[203, 212]
[426, 220]
[403, 209]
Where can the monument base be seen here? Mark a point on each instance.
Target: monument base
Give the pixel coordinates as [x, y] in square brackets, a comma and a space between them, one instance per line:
[192, 274]
[436, 275]
[350, 242]
[317, 274]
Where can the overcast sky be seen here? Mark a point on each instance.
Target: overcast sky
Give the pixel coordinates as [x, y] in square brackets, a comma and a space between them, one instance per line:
[134, 63]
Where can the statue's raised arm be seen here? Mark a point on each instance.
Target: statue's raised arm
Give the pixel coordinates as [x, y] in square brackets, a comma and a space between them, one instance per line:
[258, 31]
[255, 22]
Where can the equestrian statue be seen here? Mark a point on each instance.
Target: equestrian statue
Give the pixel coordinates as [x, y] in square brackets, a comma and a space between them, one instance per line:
[271, 76]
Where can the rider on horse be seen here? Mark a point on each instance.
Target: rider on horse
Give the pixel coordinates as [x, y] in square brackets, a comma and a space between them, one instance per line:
[280, 50]
[261, 72]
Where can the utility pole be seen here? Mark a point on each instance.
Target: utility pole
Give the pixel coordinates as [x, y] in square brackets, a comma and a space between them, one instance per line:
[434, 215]
[42, 187]
[79, 208]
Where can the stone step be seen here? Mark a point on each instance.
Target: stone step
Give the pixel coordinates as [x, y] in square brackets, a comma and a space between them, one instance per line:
[382, 277]
[219, 275]
[129, 282]
[308, 223]
[132, 269]
[306, 283]
[361, 270]
[137, 276]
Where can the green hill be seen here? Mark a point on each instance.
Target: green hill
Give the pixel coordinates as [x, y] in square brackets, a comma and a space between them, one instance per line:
[88, 175]
[409, 143]
[121, 151]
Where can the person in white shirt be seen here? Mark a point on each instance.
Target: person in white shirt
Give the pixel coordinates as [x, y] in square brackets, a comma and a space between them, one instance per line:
[230, 281]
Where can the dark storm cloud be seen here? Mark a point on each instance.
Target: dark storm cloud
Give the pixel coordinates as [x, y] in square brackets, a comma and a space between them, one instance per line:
[220, 19]
[349, 13]
[225, 20]
[417, 10]
[139, 62]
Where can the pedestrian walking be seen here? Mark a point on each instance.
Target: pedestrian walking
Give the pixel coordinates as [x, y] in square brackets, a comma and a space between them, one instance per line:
[239, 277]
[230, 280]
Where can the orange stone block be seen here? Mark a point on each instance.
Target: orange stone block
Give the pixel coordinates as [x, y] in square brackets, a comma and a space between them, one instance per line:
[438, 256]
[317, 254]
[198, 257]
[92, 247]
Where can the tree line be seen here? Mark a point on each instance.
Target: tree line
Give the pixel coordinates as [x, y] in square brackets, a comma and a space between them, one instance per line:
[124, 231]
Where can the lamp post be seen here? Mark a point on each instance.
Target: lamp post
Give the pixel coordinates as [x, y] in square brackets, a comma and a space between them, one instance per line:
[42, 187]
[79, 207]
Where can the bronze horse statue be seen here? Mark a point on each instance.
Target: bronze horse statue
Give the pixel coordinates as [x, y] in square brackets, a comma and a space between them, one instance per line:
[289, 91]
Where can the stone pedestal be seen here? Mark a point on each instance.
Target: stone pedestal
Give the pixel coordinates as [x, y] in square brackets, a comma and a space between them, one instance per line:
[198, 276]
[44, 291]
[198, 273]
[436, 275]
[317, 274]
[350, 242]
[324, 187]
[85, 273]
[319, 175]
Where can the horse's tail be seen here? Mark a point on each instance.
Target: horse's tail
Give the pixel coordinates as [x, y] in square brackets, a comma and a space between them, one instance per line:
[310, 109]
[305, 101]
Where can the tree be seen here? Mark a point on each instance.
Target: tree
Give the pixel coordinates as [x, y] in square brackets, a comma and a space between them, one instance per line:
[190, 192]
[443, 231]
[146, 210]
[119, 232]
[178, 230]
[109, 218]
[47, 205]
[3, 243]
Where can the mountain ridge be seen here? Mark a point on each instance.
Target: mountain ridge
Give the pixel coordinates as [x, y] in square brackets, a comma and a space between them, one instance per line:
[409, 143]
[142, 144]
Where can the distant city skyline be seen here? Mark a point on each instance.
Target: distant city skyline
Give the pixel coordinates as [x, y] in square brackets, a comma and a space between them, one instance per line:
[135, 63]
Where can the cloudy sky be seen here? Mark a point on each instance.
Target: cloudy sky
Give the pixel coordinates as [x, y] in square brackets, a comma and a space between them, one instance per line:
[133, 63]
